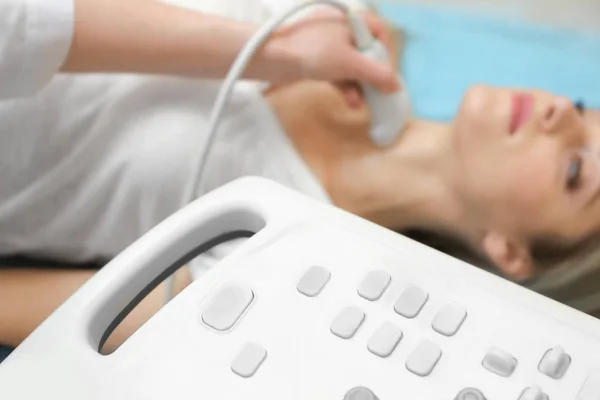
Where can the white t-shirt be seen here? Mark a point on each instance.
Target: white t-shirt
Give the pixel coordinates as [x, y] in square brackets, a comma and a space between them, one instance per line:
[89, 183]
[91, 163]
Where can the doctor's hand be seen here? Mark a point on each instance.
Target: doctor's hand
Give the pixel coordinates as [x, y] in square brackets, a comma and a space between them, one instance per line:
[151, 37]
[321, 47]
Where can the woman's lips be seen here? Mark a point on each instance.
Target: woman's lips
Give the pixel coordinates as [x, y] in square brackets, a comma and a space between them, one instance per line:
[521, 110]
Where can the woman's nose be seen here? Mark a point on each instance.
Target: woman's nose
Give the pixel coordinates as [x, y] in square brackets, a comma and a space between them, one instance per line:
[559, 116]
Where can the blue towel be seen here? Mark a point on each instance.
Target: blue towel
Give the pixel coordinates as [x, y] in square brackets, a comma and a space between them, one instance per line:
[448, 50]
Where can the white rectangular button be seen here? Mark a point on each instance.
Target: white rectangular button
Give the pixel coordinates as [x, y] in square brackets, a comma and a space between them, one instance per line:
[591, 387]
[249, 360]
[449, 319]
[313, 281]
[227, 307]
[410, 302]
[347, 322]
[424, 358]
[374, 284]
[499, 362]
[385, 339]
[555, 363]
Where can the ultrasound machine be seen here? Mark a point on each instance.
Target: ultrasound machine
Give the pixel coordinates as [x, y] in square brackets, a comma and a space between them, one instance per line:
[317, 304]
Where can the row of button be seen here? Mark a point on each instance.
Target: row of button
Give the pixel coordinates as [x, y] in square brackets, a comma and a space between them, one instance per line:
[554, 363]
[409, 304]
[231, 302]
[385, 339]
[421, 362]
[531, 393]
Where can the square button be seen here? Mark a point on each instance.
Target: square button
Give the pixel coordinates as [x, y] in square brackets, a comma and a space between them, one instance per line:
[449, 319]
[313, 281]
[555, 363]
[374, 284]
[347, 322]
[384, 340]
[410, 302]
[424, 358]
[249, 360]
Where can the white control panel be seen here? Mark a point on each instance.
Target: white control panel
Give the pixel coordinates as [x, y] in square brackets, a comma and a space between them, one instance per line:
[318, 305]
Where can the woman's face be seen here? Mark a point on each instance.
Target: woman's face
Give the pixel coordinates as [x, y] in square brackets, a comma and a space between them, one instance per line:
[528, 164]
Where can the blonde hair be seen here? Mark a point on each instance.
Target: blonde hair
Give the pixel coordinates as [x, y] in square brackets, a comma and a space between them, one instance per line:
[573, 279]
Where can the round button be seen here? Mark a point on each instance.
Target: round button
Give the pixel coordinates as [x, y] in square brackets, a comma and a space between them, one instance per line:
[470, 394]
[360, 393]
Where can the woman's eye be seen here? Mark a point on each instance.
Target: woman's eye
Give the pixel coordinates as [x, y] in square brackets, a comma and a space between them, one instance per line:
[574, 173]
[580, 106]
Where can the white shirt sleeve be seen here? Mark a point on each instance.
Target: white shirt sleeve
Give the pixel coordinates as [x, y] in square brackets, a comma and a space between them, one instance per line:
[35, 37]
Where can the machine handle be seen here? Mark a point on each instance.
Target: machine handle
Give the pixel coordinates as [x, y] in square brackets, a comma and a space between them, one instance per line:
[246, 205]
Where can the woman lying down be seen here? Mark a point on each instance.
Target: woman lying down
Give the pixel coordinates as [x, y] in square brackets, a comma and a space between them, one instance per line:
[513, 179]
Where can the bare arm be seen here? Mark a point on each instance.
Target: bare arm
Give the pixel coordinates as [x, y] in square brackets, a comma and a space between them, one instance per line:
[146, 36]
[29, 296]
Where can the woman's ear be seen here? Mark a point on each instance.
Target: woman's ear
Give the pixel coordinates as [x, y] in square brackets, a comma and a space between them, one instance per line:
[513, 257]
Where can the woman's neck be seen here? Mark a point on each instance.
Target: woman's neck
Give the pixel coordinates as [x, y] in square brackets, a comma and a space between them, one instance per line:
[407, 185]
